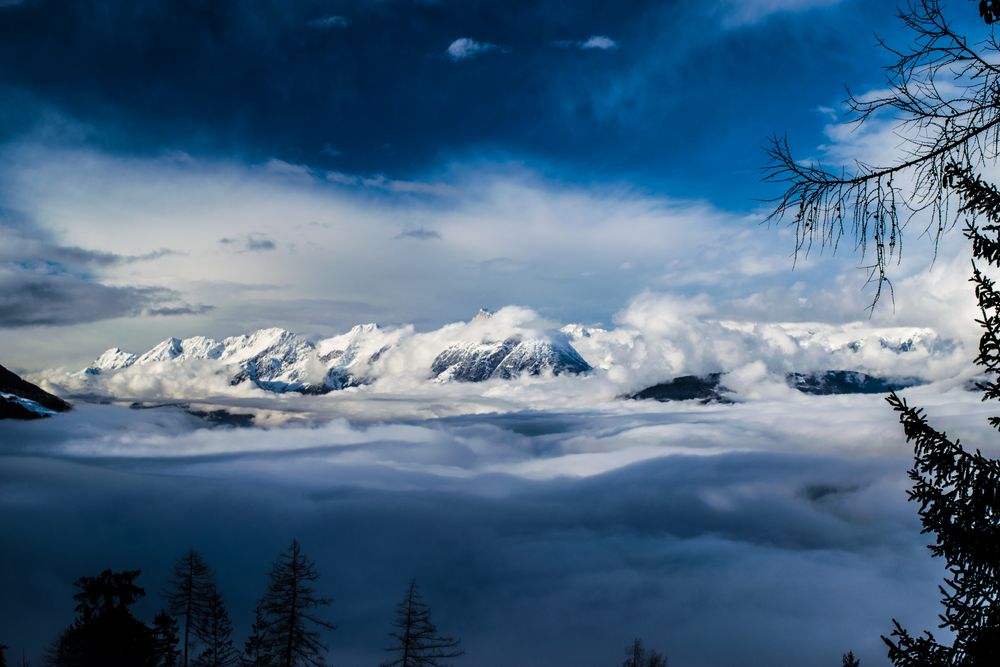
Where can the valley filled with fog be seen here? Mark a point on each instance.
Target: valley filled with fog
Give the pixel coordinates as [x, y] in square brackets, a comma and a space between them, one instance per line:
[548, 518]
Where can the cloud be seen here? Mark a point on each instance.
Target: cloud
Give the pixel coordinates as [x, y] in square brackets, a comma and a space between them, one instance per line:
[541, 537]
[45, 283]
[592, 43]
[250, 243]
[738, 13]
[63, 299]
[466, 47]
[381, 182]
[507, 235]
[330, 22]
[599, 42]
[420, 234]
[185, 309]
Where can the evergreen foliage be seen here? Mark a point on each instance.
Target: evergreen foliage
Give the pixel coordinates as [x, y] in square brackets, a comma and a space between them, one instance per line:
[253, 650]
[217, 636]
[849, 660]
[105, 633]
[958, 490]
[165, 639]
[638, 655]
[191, 586]
[3, 655]
[417, 642]
[290, 633]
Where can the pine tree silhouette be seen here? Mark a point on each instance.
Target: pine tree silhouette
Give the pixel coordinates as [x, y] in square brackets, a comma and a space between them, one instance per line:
[958, 491]
[165, 640]
[417, 642]
[291, 628]
[638, 656]
[217, 636]
[849, 660]
[190, 588]
[253, 650]
[3, 655]
[105, 633]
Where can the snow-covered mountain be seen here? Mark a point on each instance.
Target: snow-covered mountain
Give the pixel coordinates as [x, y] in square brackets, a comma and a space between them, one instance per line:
[508, 358]
[516, 342]
[280, 361]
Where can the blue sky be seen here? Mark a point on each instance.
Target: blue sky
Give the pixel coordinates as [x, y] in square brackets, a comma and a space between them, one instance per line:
[181, 168]
[678, 99]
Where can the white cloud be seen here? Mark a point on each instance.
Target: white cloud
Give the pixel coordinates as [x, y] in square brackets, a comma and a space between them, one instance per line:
[506, 236]
[599, 42]
[657, 511]
[594, 42]
[466, 47]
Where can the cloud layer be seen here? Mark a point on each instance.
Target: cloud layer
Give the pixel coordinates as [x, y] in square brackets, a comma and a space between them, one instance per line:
[538, 537]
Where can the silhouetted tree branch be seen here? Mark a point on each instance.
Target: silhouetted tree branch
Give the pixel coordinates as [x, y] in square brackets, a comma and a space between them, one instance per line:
[944, 95]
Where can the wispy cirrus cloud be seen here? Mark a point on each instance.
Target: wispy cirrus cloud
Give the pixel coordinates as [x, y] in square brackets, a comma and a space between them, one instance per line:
[592, 43]
[330, 22]
[250, 243]
[737, 13]
[419, 234]
[464, 48]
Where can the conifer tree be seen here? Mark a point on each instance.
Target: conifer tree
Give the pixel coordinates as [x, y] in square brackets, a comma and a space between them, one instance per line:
[958, 491]
[253, 649]
[165, 640]
[638, 656]
[217, 636]
[849, 660]
[291, 626]
[3, 655]
[105, 633]
[190, 588]
[417, 642]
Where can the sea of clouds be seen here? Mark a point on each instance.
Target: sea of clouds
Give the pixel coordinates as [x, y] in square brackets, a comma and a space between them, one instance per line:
[773, 531]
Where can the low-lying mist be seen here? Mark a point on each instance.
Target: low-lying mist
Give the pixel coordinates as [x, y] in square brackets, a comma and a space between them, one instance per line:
[774, 531]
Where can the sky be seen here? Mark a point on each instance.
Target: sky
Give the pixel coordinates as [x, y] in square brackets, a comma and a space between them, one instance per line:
[195, 167]
[183, 168]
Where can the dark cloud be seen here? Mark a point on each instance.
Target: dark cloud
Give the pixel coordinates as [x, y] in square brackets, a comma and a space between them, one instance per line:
[59, 300]
[43, 283]
[76, 255]
[183, 309]
[54, 300]
[420, 234]
[250, 243]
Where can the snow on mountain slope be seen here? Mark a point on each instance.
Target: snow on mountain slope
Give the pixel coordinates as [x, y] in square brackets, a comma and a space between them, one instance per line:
[506, 345]
[508, 358]
[111, 360]
[352, 358]
[20, 399]
[651, 343]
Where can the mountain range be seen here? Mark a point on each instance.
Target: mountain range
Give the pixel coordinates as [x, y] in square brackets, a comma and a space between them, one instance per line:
[512, 343]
